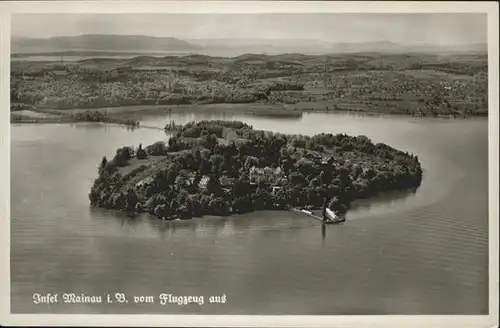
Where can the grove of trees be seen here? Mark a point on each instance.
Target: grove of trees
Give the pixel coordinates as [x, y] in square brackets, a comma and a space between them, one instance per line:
[339, 168]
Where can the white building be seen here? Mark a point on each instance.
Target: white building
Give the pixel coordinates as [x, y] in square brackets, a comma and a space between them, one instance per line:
[144, 181]
[229, 134]
[203, 182]
[265, 173]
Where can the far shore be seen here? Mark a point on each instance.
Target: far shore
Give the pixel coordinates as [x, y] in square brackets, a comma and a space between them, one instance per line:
[47, 115]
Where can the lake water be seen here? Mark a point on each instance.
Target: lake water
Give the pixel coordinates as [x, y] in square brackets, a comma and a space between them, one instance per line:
[423, 252]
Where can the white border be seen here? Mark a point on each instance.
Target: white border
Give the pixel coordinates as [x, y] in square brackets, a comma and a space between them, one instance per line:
[491, 8]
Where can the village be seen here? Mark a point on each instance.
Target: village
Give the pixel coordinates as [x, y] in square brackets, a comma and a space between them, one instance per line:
[351, 82]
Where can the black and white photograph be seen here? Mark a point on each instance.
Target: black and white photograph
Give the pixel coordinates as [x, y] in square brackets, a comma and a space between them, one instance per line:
[224, 160]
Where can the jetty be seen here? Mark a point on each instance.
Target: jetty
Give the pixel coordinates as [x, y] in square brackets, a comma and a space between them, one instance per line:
[306, 212]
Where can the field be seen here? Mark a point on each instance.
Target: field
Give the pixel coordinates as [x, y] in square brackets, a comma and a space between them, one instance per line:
[416, 84]
[32, 116]
[36, 115]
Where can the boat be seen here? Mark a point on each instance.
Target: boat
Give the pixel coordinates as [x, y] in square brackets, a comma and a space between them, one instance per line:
[330, 217]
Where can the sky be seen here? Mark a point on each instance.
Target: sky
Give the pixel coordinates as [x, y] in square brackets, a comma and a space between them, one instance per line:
[399, 28]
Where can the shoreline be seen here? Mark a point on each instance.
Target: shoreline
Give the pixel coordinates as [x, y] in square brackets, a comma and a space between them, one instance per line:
[264, 110]
[35, 115]
[258, 108]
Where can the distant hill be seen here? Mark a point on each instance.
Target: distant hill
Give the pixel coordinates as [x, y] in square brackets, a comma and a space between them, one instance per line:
[234, 47]
[103, 42]
[274, 46]
[472, 47]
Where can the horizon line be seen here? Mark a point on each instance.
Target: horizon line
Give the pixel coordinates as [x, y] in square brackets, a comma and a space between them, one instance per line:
[264, 38]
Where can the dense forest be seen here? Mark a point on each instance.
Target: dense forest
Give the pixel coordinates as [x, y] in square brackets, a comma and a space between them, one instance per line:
[225, 167]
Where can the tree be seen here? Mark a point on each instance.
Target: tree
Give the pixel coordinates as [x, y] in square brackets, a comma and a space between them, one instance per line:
[251, 161]
[311, 195]
[182, 163]
[287, 165]
[131, 200]
[213, 185]
[297, 178]
[204, 166]
[231, 150]
[172, 142]
[241, 186]
[157, 149]
[261, 183]
[122, 156]
[141, 153]
[103, 164]
[197, 159]
[210, 141]
[128, 152]
[306, 167]
[174, 206]
[171, 176]
[216, 163]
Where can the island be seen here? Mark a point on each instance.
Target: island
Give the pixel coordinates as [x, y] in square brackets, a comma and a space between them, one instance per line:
[227, 167]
